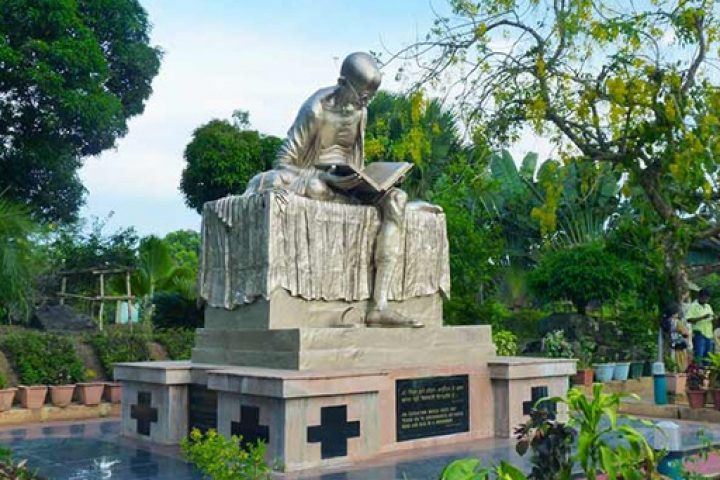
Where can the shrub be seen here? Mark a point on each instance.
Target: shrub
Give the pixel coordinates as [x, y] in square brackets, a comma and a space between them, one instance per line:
[505, 343]
[583, 273]
[43, 359]
[220, 458]
[555, 345]
[178, 342]
[120, 345]
[173, 310]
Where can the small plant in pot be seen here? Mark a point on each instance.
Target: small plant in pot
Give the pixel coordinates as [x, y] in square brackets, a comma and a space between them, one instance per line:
[603, 369]
[636, 364]
[7, 395]
[714, 377]
[676, 381]
[695, 383]
[90, 392]
[584, 353]
[61, 390]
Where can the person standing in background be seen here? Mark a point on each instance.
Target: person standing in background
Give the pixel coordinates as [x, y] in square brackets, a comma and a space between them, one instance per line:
[700, 315]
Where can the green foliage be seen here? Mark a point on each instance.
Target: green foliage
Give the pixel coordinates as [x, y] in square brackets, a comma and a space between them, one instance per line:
[505, 343]
[43, 359]
[13, 470]
[555, 345]
[178, 342]
[3, 381]
[714, 369]
[627, 86]
[220, 458]
[583, 273]
[604, 445]
[120, 345]
[174, 310]
[184, 246]
[222, 157]
[73, 74]
[18, 260]
[411, 128]
[551, 443]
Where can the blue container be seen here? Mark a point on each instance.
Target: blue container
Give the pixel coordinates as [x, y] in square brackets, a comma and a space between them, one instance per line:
[659, 383]
[603, 372]
[621, 371]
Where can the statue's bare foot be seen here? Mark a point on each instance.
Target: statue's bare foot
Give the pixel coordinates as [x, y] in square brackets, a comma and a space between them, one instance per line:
[419, 205]
[388, 319]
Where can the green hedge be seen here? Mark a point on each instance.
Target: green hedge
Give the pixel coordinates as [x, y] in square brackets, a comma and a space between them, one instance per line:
[42, 358]
[178, 342]
[120, 345]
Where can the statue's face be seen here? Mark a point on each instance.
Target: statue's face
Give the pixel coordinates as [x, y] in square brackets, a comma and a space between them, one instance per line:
[360, 95]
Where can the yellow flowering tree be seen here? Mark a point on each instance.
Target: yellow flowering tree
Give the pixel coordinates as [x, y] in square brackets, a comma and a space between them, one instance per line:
[631, 85]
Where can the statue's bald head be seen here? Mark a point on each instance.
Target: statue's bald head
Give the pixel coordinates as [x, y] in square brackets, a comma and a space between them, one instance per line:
[361, 71]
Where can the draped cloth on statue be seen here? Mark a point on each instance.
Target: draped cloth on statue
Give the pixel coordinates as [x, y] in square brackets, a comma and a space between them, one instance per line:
[315, 250]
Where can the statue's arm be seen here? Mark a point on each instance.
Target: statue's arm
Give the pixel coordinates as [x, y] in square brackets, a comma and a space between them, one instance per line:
[294, 153]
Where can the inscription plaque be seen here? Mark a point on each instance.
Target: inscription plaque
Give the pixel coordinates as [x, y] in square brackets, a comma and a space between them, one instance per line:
[432, 406]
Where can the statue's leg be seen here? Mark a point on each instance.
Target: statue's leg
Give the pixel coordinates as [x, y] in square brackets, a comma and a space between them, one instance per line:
[387, 256]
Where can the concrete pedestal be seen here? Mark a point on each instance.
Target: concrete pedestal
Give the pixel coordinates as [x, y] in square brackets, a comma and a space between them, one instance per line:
[323, 417]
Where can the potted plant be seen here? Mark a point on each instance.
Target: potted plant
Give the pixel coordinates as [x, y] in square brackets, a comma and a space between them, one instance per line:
[32, 396]
[603, 369]
[636, 366]
[695, 384]
[113, 392]
[7, 395]
[714, 376]
[90, 392]
[622, 367]
[61, 390]
[675, 381]
[584, 374]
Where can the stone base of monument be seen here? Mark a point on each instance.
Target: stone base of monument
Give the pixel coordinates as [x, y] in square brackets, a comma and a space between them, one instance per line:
[325, 417]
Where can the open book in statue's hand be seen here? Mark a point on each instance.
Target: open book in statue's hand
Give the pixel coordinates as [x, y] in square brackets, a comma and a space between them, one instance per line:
[375, 178]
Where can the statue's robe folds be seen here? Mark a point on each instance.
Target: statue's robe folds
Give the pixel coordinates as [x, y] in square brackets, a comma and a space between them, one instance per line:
[315, 250]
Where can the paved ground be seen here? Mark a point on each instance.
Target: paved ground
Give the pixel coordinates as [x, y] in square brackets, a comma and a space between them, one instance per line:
[94, 450]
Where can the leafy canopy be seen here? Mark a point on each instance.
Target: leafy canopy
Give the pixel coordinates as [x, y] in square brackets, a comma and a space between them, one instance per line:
[631, 85]
[583, 273]
[222, 157]
[72, 72]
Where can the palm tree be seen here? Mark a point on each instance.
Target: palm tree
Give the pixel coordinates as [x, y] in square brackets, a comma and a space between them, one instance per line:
[17, 259]
[155, 267]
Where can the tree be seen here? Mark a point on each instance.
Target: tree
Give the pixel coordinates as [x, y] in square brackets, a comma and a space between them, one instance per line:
[71, 74]
[626, 85]
[411, 128]
[222, 157]
[583, 273]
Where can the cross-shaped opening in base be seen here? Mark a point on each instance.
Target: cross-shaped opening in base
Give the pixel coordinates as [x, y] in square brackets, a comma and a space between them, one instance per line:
[144, 413]
[249, 427]
[536, 393]
[333, 431]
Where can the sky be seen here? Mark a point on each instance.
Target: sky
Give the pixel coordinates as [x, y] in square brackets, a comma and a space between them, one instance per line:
[263, 56]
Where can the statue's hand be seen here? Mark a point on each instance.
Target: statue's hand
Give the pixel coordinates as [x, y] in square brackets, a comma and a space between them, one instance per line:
[344, 182]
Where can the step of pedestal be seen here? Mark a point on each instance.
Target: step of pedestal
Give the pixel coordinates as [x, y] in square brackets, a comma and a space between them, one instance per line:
[308, 348]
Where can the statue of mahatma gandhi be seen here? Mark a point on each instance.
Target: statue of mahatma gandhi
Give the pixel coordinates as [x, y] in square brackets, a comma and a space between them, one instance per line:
[330, 128]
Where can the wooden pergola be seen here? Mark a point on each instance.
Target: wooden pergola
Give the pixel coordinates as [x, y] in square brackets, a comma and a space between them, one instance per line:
[101, 298]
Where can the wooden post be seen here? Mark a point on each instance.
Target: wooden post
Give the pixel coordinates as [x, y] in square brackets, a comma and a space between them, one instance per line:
[63, 288]
[102, 300]
[129, 299]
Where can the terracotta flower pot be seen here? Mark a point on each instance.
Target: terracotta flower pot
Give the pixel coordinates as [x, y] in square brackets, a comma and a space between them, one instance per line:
[696, 398]
[90, 393]
[61, 395]
[7, 395]
[584, 377]
[113, 392]
[32, 396]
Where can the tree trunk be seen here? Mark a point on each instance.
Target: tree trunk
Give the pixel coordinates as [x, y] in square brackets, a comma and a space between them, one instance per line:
[675, 268]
